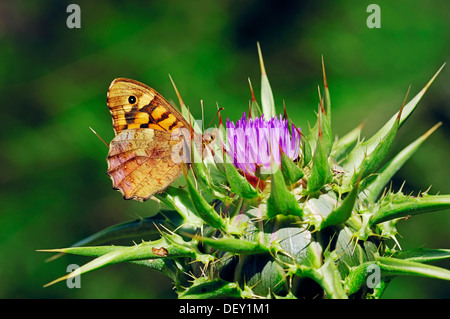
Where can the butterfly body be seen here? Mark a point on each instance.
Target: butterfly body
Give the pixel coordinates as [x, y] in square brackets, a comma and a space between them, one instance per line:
[140, 158]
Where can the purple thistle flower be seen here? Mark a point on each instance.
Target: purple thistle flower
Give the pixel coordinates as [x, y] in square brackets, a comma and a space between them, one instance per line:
[254, 143]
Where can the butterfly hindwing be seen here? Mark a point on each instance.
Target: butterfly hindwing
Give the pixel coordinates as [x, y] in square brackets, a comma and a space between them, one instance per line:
[140, 162]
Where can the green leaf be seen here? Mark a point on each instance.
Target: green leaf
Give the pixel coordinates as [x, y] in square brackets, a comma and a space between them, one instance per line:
[376, 185]
[423, 255]
[167, 267]
[163, 265]
[267, 101]
[406, 112]
[90, 251]
[374, 159]
[203, 175]
[112, 255]
[320, 172]
[359, 153]
[320, 133]
[281, 200]
[179, 200]
[327, 99]
[327, 133]
[255, 110]
[350, 253]
[204, 288]
[388, 267]
[356, 278]
[403, 206]
[262, 273]
[298, 245]
[238, 183]
[393, 266]
[343, 212]
[203, 209]
[327, 276]
[306, 148]
[291, 172]
[317, 209]
[235, 245]
[330, 280]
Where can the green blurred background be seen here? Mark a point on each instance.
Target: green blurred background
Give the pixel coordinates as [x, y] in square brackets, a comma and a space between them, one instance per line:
[53, 83]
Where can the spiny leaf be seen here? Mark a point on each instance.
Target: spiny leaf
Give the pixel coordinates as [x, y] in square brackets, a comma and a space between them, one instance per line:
[267, 101]
[255, 110]
[146, 250]
[327, 100]
[392, 266]
[264, 274]
[281, 200]
[297, 243]
[327, 276]
[202, 288]
[165, 266]
[306, 149]
[423, 255]
[358, 154]
[238, 183]
[323, 121]
[376, 157]
[320, 172]
[291, 172]
[343, 212]
[372, 160]
[407, 110]
[404, 206]
[203, 175]
[179, 200]
[90, 251]
[235, 245]
[376, 185]
[327, 133]
[202, 208]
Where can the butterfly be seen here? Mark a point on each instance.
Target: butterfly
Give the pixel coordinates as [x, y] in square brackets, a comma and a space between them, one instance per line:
[140, 158]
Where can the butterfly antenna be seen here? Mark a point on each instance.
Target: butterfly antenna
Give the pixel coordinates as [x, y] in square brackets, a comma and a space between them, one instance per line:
[99, 136]
[217, 113]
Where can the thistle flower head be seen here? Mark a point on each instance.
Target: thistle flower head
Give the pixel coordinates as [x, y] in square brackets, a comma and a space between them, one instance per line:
[256, 143]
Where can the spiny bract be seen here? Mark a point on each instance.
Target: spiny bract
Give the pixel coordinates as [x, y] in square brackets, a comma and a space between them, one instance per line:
[276, 213]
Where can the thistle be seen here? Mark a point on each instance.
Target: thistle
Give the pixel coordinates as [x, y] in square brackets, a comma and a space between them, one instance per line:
[274, 212]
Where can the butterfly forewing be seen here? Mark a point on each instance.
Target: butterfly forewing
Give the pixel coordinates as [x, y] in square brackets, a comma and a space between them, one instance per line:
[135, 105]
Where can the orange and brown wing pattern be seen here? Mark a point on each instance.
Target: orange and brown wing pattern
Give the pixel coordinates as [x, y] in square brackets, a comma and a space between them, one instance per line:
[140, 156]
[140, 162]
[135, 105]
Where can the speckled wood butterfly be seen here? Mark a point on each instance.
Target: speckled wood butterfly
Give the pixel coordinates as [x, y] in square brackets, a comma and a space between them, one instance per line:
[139, 159]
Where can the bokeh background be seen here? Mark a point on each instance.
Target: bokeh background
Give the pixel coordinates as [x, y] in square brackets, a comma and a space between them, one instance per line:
[53, 83]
